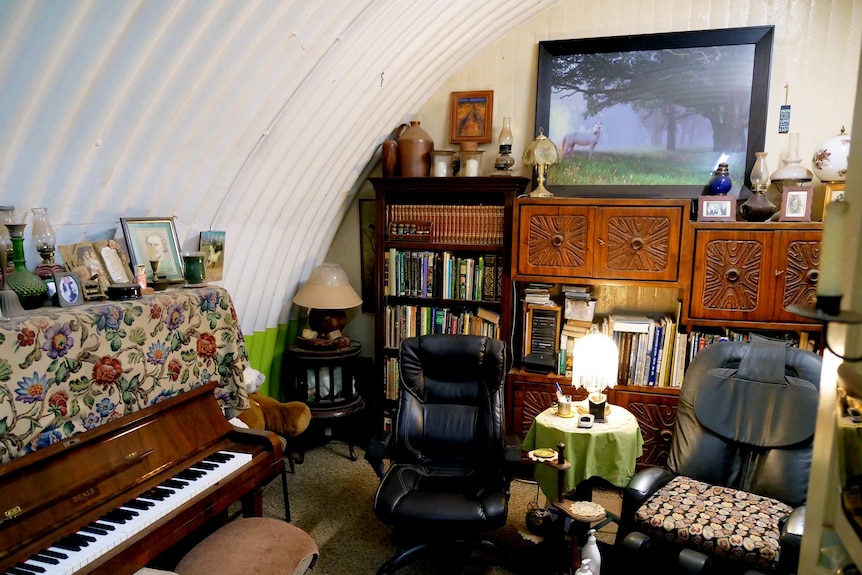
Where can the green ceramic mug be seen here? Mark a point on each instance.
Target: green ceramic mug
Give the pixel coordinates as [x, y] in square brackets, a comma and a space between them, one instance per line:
[194, 270]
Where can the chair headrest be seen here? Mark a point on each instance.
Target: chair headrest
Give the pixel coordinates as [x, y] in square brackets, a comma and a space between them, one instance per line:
[758, 403]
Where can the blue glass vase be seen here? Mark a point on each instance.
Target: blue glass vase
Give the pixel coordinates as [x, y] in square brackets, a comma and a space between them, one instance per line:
[720, 183]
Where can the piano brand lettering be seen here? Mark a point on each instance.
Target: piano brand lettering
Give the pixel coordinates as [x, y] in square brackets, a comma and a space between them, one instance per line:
[84, 495]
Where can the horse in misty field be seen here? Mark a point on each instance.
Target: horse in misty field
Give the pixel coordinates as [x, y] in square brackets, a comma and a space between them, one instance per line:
[588, 138]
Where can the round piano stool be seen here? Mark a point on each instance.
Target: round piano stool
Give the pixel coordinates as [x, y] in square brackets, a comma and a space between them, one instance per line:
[252, 546]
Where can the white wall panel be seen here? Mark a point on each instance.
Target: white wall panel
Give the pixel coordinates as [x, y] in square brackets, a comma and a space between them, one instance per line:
[261, 117]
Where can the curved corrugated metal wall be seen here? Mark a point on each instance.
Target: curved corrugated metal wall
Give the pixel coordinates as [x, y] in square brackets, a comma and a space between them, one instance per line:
[256, 117]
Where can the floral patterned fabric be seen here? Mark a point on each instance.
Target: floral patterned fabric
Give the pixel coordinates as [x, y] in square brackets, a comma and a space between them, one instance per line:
[64, 371]
[716, 520]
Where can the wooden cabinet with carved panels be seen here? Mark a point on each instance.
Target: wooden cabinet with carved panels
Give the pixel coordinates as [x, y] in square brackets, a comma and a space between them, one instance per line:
[588, 239]
[746, 274]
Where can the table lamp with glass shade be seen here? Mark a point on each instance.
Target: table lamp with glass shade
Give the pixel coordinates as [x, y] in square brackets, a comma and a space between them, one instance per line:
[595, 361]
[541, 153]
[326, 294]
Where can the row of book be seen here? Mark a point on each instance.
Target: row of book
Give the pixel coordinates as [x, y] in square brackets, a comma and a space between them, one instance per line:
[648, 350]
[456, 224]
[402, 321]
[430, 274]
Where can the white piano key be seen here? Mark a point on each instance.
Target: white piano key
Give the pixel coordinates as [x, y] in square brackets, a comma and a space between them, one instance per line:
[122, 532]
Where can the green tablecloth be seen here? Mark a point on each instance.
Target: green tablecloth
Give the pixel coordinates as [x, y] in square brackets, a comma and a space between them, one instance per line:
[607, 450]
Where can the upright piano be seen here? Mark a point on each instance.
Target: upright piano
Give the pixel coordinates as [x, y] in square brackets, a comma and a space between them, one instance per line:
[113, 499]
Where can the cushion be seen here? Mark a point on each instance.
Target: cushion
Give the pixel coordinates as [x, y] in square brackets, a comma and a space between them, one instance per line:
[715, 520]
[252, 546]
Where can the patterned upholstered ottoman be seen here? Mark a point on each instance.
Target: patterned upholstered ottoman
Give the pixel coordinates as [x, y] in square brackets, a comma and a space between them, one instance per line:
[716, 520]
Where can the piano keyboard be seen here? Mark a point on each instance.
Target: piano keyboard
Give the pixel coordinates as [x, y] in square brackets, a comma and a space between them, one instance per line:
[77, 550]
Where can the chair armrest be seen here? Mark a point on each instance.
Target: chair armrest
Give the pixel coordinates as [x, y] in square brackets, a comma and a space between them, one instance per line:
[639, 489]
[377, 451]
[791, 540]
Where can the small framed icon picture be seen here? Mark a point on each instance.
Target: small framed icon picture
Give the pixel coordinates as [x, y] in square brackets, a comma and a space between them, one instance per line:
[796, 203]
[716, 209]
[69, 292]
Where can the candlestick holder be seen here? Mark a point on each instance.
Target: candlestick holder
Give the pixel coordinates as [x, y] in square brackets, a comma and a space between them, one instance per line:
[155, 265]
[826, 310]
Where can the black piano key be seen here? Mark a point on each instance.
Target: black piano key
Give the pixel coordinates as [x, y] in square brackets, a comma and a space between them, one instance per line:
[219, 457]
[16, 571]
[100, 525]
[83, 539]
[173, 483]
[94, 530]
[30, 568]
[139, 504]
[118, 516]
[42, 558]
[157, 494]
[190, 474]
[206, 466]
[67, 544]
[53, 554]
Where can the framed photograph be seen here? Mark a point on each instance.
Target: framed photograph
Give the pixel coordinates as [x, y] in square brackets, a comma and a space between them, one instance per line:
[654, 114]
[832, 192]
[470, 116]
[68, 289]
[212, 245]
[716, 209]
[154, 239]
[796, 203]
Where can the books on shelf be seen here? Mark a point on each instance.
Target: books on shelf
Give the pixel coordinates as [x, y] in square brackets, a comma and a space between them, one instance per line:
[445, 275]
[455, 224]
[402, 321]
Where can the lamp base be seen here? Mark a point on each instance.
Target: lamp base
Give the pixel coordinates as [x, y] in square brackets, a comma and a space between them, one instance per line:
[324, 321]
[597, 408]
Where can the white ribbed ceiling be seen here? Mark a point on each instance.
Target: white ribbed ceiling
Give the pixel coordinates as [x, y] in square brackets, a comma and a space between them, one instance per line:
[257, 117]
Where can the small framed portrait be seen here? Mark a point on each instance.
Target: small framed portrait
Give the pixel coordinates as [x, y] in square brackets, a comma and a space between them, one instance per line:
[832, 192]
[153, 242]
[796, 203]
[470, 116]
[716, 208]
[68, 289]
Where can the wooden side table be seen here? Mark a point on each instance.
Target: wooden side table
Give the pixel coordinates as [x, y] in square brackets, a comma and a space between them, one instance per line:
[326, 381]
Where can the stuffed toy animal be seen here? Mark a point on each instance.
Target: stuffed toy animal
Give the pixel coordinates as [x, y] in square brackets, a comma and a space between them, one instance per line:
[287, 419]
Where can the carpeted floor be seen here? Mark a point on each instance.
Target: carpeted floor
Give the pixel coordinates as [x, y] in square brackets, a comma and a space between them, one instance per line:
[331, 499]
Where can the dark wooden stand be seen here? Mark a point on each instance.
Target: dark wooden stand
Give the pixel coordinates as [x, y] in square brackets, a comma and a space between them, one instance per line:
[311, 376]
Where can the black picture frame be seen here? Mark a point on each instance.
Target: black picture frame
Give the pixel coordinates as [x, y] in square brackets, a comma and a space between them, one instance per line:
[69, 291]
[711, 58]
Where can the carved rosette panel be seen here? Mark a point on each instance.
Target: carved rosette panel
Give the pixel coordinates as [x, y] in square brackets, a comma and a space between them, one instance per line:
[535, 402]
[656, 423]
[558, 241]
[638, 243]
[732, 276]
[800, 273]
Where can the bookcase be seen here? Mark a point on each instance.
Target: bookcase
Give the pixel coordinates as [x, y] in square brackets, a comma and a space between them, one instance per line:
[645, 256]
[442, 263]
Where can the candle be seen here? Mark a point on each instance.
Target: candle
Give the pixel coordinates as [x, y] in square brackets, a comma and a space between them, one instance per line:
[471, 167]
[832, 256]
[440, 169]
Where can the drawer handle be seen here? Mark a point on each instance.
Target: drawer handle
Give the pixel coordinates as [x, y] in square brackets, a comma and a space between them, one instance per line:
[557, 240]
[812, 276]
[665, 435]
[637, 244]
[732, 275]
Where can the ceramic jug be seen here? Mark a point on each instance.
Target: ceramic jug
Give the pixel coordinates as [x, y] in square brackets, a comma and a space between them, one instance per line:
[414, 150]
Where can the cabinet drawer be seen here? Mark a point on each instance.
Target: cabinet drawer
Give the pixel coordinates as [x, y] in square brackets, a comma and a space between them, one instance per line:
[555, 241]
[639, 243]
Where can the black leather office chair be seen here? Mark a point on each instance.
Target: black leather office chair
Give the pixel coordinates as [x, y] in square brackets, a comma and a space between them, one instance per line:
[448, 478]
[731, 498]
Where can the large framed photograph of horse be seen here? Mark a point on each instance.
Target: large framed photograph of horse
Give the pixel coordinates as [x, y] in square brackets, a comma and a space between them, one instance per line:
[654, 114]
